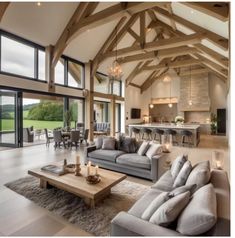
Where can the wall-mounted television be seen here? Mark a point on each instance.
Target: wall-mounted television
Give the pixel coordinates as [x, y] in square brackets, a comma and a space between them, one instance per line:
[135, 113]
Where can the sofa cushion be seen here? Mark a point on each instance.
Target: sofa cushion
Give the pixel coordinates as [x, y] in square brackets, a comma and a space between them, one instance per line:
[128, 144]
[143, 148]
[200, 175]
[153, 150]
[183, 174]
[140, 206]
[170, 210]
[182, 189]
[200, 215]
[165, 182]
[108, 143]
[177, 165]
[99, 142]
[109, 155]
[154, 205]
[134, 160]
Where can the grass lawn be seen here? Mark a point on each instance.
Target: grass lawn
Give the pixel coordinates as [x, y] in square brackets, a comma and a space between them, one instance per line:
[8, 124]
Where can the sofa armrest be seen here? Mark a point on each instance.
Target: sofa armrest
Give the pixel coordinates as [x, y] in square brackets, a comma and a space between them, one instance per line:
[158, 166]
[87, 150]
[125, 224]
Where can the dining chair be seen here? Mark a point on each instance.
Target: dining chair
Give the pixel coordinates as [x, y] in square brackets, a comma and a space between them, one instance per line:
[49, 137]
[58, 139]
[74, 139]
[85, 136]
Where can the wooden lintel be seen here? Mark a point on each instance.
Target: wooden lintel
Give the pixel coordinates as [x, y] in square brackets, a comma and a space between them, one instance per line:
[108, 96]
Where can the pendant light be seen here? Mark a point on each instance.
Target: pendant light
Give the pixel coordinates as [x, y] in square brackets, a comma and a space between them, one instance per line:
[190, 101]
[115, 70]
[151, 100]
[170, 104]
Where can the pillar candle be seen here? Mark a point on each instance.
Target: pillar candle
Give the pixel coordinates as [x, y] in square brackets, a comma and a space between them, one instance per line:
[88, 170]
[96, 169]
[78, 159]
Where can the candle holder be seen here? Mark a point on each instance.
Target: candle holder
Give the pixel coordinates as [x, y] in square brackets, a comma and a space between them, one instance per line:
[77, 171]
[93, 179]
[218, 159]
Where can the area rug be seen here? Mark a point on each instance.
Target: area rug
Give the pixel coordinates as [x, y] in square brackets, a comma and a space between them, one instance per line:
[72, 208]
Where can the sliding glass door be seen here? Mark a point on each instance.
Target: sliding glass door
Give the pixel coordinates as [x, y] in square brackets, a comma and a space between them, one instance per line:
[9, 119]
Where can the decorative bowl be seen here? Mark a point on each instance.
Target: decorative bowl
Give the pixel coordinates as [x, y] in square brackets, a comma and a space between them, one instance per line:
[70, 168]
[93, 179]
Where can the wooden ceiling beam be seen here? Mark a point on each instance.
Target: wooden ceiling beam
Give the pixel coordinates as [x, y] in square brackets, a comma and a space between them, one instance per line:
[106, 44]
[62, 43]
[133, 34]
[3, 8]
[222, 60]
[172, 65]
[160, 44]
[142, 30]
[161, 54]
[220, 41]
[169, 8]
[219, 10]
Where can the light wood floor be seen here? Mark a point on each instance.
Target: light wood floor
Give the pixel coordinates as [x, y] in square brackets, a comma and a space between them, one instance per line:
[19, 216]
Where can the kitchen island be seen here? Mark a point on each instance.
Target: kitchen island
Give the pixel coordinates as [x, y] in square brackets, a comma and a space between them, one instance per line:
[194, 128]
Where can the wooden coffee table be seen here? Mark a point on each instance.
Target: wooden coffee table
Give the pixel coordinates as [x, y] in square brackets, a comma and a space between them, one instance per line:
[91, 193]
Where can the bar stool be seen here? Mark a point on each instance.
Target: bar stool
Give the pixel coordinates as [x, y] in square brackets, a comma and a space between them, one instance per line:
[148, 133]
[186, 138]
[136, 132]
[172, 134]
[158, 133]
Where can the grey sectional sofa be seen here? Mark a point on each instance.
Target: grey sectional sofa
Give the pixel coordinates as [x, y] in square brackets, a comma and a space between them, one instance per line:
[128, 163]
[130, 223]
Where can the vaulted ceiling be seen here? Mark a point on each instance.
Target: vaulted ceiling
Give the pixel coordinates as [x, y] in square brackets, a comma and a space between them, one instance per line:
[153, 37]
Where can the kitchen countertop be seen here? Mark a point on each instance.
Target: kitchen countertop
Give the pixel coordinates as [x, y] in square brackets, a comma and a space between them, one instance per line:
[167, 125]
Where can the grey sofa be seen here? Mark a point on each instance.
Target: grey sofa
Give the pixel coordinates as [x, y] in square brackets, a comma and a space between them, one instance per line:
[130, 223]
[128, 163]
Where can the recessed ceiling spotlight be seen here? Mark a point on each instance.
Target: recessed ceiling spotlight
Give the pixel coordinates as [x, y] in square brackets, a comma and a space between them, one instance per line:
[39, 4]
[148, 29]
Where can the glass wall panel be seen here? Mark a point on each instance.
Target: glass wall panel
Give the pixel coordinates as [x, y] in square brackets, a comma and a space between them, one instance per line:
[117, 88]
[17, 58]
[101, 111]
[41, 65]
[59, 72]
[77, 110]
[101, 83]
[75, 75]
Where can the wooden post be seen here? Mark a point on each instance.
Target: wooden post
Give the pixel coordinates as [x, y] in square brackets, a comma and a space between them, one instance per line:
[50, 71]
[113, 116]
[89, 122]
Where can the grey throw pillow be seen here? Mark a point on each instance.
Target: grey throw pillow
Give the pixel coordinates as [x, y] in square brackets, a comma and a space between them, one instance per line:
[153, 150]
[183, 175]
[99, 142]
[177, 165]
[170, 210]
[108, 144]
[200, 175]
[154, 205]
[143, 148]
[201, 213]
[182, 189]
[128, 145]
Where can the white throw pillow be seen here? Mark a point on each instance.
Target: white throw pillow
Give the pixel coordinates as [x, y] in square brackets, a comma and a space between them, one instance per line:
[170, 210]
[201, 213]
[177, 165]
[183, 175]
[143, 148]
[154, 149]
[154, 205]
[108, 144]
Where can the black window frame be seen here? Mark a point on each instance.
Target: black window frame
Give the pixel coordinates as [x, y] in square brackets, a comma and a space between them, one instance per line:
[120, 82]
[36, 48]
